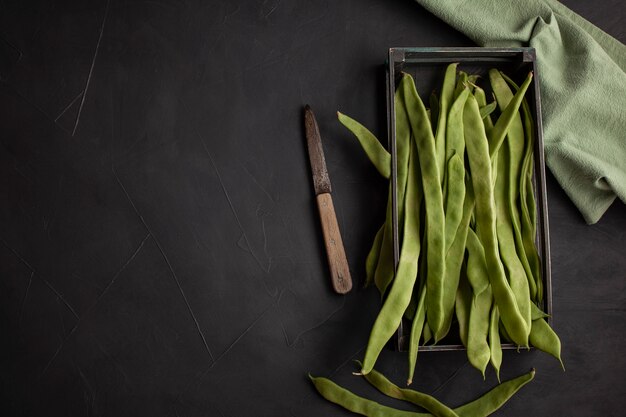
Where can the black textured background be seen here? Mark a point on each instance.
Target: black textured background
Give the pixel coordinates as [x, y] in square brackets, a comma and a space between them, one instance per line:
[160, 248]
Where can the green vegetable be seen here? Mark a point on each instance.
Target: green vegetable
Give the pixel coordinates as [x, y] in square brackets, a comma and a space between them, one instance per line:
[494, 341]
[433, 201]
[427, 402]
[478, 351]
[445, 101]
[527, 197]
[454, 261]
[481, 407]
[501, 128]
[446, 208]
[544, 338]
[399, 295]
[480, 168]
[373, 256]
[371, 145]
[514, 153]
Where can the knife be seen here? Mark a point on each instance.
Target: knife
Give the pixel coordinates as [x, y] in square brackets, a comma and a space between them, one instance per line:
[339, 271]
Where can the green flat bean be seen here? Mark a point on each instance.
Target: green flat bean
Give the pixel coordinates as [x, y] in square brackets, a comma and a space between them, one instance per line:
[385, 269]
[372, 257]
[445, 101]
[427, 402]
[461, 83]
[515, 153]
[483, 406]
[527, 197]
[414, 199]
[481, 99]
[487, 109]
[536, 313]
[455, 143]
[426, 334]
[454, 260]
[409, 313]
[416, 331]
[479, 94]
[496, 398]
[359, 405]
[518, 281]
[454, 187]
[478, 351]
[503, 332]
[494, 341]
[530, 231]
[500, 129]
[433, 200]
[529, 204]
[383, 272]
[480, 167]
[399, 295]
[545, 339]
[456, 196]
[477, 273]
[374, 150]
[434, 110]
[462, 307]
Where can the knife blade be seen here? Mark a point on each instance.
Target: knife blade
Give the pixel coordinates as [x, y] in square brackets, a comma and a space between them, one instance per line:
[338, 264]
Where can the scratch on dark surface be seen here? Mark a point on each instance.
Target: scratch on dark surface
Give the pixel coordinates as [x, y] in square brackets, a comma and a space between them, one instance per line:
[169, 265]
[60, 296]
[312, 20]
[347, 361]
[182, 293]
[19, 171]
[450, 378]
[69, 105]
[12, 45]
[36, 107]
[282, 328]
[272, 10]
[95, 303]
[17, 255]
[219, 411]
[269, 266]
[228, 349]
[320, 324]
[90, 394]
[56, 353]
[232, 345]
[93, 63]
[32, 270]
[231, 205]
[263, 65]
[112, 359]
[243, 246]
[231, 14]
[254, 179]
[133, 256]
[30, 281]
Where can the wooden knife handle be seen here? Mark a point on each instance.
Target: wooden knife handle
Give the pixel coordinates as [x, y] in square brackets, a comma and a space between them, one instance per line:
[339, 271]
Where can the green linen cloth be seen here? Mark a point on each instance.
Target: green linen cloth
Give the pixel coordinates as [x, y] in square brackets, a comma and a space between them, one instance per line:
[582, 77]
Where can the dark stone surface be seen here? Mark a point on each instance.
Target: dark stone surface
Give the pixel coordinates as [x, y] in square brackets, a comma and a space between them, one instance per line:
[160, 250]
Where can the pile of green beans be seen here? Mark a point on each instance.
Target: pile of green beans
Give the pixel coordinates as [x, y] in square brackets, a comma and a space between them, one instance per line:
[483, 406]
[467, 221]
